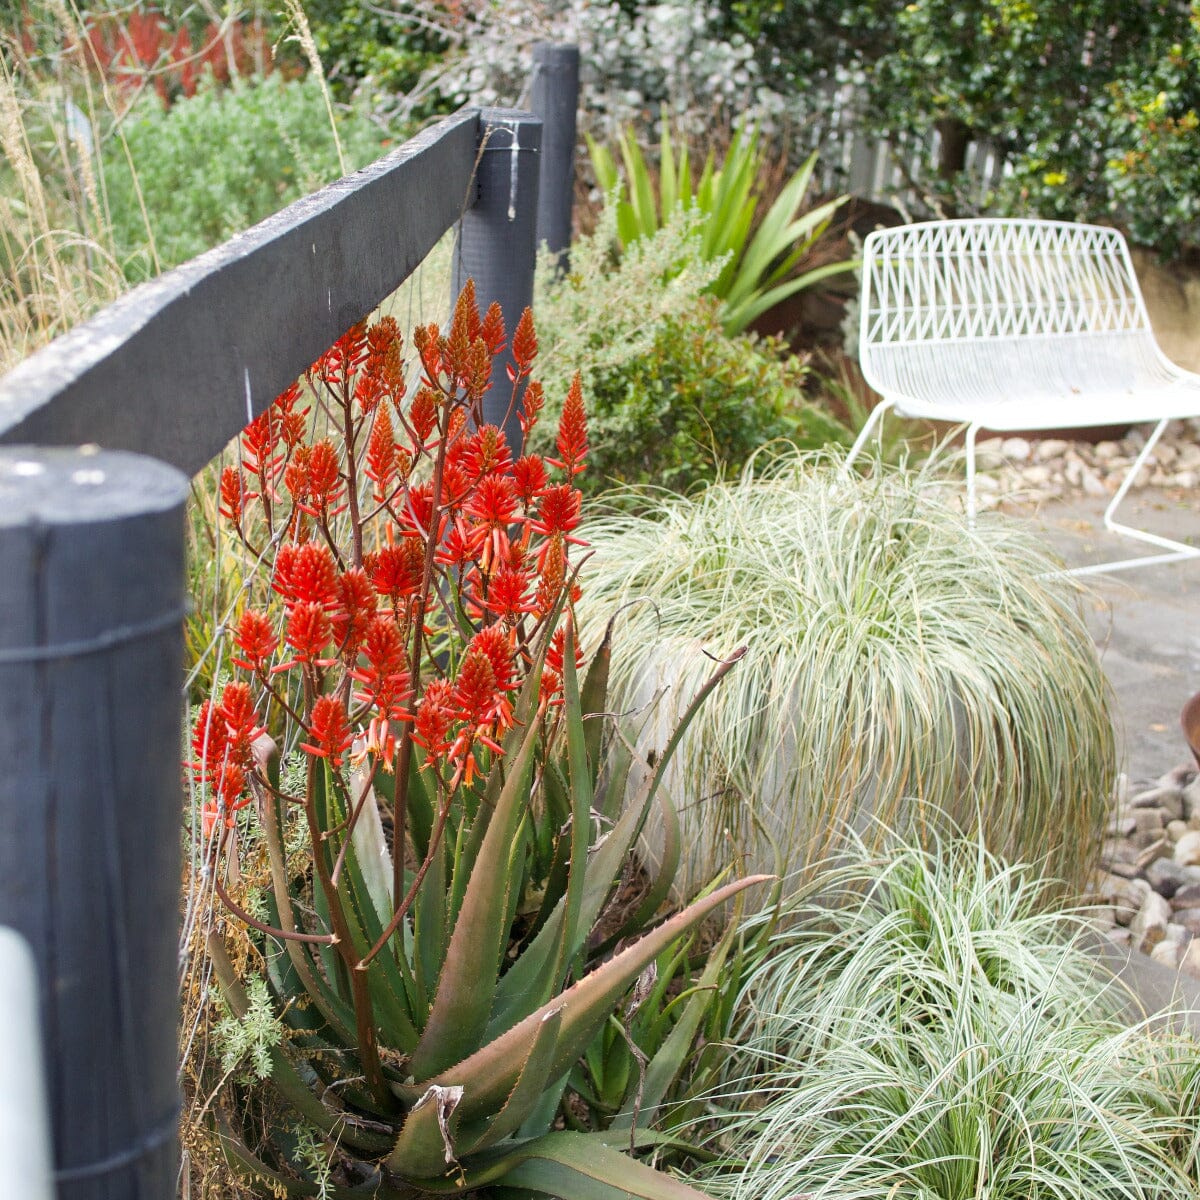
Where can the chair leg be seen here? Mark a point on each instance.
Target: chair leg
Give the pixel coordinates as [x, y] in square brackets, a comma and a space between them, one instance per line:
[876, 418]
[1176, 550]
[972, 507]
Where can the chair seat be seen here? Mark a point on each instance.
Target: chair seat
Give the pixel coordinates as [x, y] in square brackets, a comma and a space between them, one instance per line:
[1027, 406]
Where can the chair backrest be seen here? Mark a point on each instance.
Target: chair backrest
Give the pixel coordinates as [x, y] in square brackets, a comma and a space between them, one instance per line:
[980, 280]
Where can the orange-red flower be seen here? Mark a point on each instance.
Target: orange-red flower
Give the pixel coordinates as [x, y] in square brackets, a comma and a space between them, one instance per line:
[329, 729]
[434, 717]
[572, 440]
[385, 676]
[397, 571]
[507, 594]
[531, 405]
[233, 495]
[524, 343]
[529, 478]
[255, 637]
[305, 572]
[357, 607]
[309, 631]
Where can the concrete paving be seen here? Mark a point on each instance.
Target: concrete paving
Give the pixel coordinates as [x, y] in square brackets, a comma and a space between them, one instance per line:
[1146, 621]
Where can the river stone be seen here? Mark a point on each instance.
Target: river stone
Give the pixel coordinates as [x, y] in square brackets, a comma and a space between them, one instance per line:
[1176, 829]
[1015, 449]
[1166, 796]
[1169, 950]
[1187, 895]
[1191, 800]
[1187, 849]
[1149, 926]
[1189, 918]
[1190, 960]
[1149, 820]
[1166, 876]
[1125, 895]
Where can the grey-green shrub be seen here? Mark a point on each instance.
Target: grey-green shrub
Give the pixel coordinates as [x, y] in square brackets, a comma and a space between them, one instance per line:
[932, 1032]
[216, 163]
[673, 399]
[894, 652]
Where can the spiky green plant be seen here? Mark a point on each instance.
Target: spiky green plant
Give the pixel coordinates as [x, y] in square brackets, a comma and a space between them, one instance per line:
[895, 652]
[759, 261]
[407, 635]
[931, 1032]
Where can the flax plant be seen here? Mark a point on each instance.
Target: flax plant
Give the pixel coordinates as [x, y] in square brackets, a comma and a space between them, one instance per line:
[931, 1032]
[896, 652]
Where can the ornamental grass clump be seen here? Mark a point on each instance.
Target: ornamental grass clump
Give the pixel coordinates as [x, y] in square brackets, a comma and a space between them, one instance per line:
[404, 799]
[895, 652]
[930, 1031]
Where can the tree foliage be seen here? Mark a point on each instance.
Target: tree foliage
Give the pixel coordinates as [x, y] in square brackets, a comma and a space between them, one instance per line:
[1093, 102]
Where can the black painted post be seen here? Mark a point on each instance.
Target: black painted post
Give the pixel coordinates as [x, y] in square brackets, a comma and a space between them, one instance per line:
[496, 239]
[91, 654]
[555, 98]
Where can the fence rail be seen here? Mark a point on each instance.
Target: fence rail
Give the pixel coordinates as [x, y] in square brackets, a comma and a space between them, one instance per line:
[177, 366]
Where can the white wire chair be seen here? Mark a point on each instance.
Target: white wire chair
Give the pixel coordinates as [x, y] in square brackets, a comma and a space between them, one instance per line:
[1017, 324]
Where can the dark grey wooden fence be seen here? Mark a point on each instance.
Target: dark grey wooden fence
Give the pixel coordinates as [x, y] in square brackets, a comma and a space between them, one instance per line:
[92, 589]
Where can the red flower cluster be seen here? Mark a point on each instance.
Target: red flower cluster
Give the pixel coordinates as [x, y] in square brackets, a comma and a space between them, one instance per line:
[409, 528]
[222, 738]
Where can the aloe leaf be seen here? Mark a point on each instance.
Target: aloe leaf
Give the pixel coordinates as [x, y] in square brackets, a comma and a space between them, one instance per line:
[283, 1074]
[667, 183]
[684, 176]
[467, 984]
[667, 1062]
[776, 234]
[519, 987]
[660, 889]
[737, 319]
[489, 1074]
[336, 1012]
[429, 926]
[641, 194]
[627, 223]
[369, 846]
[583, 1167]
[594, 701]
[526, 1093]
[603, 165]
[581, 813]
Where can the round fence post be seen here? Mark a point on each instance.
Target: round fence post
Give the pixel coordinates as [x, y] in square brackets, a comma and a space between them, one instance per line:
[496, 240]
[554, 97]
[91, 653]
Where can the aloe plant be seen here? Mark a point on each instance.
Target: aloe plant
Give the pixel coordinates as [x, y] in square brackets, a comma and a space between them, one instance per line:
[411, 649]
[758, 263]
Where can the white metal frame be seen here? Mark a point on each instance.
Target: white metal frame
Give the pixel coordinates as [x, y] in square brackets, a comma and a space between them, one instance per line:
[1018, 324]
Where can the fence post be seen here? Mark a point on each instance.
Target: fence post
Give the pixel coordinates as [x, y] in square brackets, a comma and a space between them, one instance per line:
[496, 239]
[91, 654]
[554, 97]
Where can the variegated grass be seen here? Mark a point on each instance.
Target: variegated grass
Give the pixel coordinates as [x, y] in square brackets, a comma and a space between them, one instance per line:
[931, 1032]
[895, 652]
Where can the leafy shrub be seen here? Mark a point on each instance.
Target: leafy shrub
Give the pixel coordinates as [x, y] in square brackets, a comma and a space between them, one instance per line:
[699, 402]
[216, 163]
[373, 53]
[673, 60]
[932, 1032]
[674, 398]
[895, 652]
